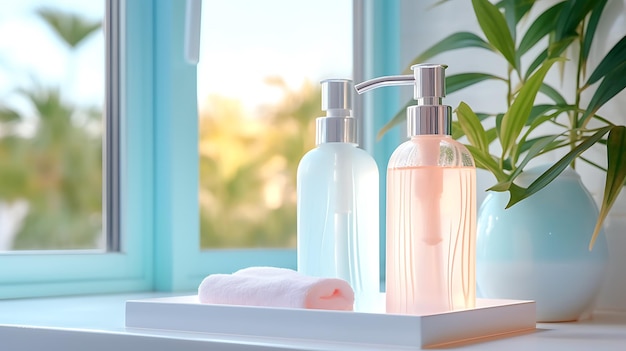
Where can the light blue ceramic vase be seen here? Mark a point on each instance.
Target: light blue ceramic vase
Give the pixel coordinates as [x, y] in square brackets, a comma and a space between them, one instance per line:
[539, 248]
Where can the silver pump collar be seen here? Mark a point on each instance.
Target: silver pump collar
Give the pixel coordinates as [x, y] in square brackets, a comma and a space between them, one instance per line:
[428, 120]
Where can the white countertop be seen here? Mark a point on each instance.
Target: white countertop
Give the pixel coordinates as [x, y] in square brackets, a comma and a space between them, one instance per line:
[97, 323]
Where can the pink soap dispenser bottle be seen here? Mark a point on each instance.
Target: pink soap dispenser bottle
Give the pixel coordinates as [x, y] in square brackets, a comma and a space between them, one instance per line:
[431, 205]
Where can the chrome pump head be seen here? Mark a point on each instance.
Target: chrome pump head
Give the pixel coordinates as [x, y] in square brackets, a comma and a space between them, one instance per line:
[338, 126]
[429, 116]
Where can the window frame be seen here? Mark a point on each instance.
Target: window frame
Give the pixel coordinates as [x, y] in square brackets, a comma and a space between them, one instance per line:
[180, 263]
[377, 36]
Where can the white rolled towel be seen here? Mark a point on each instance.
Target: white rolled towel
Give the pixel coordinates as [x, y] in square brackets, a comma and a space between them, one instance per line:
[276, 287]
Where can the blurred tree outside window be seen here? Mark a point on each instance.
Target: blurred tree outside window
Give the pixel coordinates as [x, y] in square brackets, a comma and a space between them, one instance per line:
[259, 94]
[51, 111]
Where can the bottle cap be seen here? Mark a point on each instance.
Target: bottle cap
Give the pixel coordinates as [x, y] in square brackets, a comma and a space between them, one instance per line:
[337, 97]
[338, 126]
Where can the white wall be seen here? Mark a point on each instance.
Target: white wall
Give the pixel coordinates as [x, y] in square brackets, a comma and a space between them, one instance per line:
[422, 25]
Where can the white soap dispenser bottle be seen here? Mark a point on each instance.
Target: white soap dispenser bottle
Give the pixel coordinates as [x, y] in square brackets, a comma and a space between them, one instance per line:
[337, 201]
[431, 205]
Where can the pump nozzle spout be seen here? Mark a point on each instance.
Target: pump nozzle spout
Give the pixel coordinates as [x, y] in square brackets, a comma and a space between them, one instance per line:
[428, 78]
[384, 82]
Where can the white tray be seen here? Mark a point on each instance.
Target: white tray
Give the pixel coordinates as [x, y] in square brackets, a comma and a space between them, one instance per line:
[185, 313]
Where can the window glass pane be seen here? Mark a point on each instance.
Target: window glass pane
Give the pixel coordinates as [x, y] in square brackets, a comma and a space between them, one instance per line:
[51, 107]
[258, 93]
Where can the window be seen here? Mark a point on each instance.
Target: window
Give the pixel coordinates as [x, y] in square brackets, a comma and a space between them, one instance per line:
[51, 125]
[159, 174]
[54, 272]
[259, 94]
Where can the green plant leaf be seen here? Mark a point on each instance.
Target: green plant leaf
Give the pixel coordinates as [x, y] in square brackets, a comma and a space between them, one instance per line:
[514, 10]
[459, 81]
[542, 57]
[552, 93]
[506, 165]
[501, 186]
[457, 131]
[537, 111]
[518, 193]
[515, 118]
[615, 175]
[509, 15]
[558, 47]
[554, 50]
[615, 57]
[482, 116]
[519, 7]
[612, 84]
[499, 118]
[570, 18]
[523, 145]
[590, 33]
[491, 135]
[543, 25]
[530, 142]
[486, 161]
[493, 24]
[472, 127]
[537, 118]
[536, 147]
[459, 40]
[535, 121]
